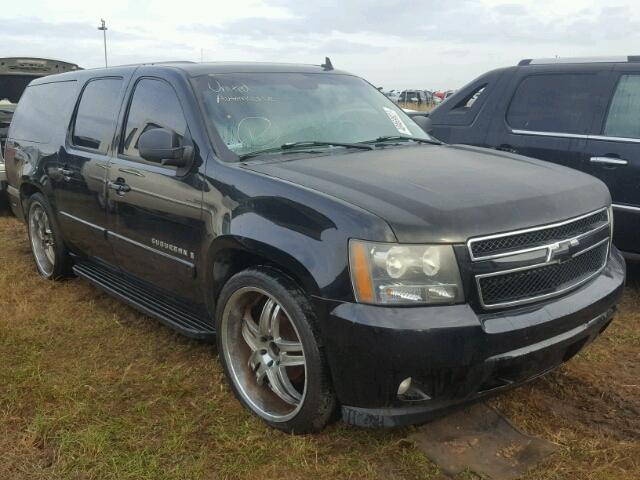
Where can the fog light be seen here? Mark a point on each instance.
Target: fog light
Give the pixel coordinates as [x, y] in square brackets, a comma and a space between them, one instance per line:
[404, 386]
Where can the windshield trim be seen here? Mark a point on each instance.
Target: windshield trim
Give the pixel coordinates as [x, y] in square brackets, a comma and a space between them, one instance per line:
[291, 155]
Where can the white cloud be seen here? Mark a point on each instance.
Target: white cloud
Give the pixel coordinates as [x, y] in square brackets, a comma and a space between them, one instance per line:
[428, 44]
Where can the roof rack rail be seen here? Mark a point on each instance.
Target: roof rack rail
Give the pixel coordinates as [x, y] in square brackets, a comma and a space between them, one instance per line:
[560, 60]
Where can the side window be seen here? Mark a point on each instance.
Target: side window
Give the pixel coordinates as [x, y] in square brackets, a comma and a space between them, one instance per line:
[95, 120]
[563, 103]
[154, 105]
[41, 110]
[623, 119]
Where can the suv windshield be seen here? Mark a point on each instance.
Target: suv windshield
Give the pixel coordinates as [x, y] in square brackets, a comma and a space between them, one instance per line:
[259, 111]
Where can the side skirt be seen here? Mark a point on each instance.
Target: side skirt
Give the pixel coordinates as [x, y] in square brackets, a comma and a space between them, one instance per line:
[145, 299]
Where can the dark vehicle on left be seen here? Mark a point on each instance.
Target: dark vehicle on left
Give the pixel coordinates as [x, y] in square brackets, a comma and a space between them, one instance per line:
[15, 75]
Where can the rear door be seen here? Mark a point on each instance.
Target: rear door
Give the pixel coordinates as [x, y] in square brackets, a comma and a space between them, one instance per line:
[548, 110]
[155, 209]
[612, 153]
[79, 182]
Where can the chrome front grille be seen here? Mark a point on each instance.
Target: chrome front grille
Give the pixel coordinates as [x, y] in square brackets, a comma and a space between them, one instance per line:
[538, 282]
[500, 244]
[530, 265]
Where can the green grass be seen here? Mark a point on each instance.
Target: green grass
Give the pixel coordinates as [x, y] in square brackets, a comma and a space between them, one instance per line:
[91, 389]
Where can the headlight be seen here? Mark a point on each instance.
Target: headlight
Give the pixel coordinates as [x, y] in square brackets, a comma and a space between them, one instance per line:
[390, 273]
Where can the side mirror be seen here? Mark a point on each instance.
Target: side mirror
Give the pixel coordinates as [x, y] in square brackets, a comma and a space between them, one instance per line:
[423, 122]
[164, 146]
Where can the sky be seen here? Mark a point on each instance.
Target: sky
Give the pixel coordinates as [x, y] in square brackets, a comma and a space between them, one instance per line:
[424, 44]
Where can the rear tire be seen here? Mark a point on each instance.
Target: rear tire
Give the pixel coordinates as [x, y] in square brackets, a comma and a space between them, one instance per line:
[269, 349]
[47, 246]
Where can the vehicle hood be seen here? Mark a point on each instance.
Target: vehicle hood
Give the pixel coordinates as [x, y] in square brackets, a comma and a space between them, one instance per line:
[447, 193]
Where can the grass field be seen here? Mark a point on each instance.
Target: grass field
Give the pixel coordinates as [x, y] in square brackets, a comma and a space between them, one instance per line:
[91, 389]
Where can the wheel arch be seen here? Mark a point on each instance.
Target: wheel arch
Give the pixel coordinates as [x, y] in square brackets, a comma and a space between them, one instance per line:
[230, 254]
[26, 190]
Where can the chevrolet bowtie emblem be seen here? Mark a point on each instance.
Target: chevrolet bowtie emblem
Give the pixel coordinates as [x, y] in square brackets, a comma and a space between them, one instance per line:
[559, 250]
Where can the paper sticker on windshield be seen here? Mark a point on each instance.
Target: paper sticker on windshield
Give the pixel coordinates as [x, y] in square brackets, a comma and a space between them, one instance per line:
[397, 121]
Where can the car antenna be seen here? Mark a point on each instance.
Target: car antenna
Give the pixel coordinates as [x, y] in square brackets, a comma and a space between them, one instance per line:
[327, 65]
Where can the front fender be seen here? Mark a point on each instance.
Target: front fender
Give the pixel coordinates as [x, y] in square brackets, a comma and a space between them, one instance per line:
[225, 249]
[304, 232]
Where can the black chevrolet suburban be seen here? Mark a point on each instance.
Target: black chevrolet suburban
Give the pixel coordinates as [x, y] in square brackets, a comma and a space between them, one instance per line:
[340, 256]
[583, 113]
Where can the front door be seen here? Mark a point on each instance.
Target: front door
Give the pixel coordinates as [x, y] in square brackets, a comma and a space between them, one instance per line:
[156, 209]
[80, 177]
[612, 153]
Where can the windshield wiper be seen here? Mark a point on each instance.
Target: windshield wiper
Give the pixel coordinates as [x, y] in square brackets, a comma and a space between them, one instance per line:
[400, 138]
[311, 143]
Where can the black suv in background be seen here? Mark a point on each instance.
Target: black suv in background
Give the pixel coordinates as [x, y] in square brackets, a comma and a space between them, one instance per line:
[582, 113]
[15, 75]
[338, 253]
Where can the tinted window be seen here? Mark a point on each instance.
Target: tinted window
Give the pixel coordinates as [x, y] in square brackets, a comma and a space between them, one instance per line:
[43, 108]
[624, 114]
[154, 105]
[553, 103]
[96, 117]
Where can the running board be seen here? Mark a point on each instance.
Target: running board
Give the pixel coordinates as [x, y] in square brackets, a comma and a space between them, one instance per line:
[172, 313]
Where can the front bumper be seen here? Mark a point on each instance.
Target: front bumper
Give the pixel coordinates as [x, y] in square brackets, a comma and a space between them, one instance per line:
[454, 354]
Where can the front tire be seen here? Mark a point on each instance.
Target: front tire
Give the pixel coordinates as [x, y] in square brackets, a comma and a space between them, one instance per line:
[48, 249]
[270, 352]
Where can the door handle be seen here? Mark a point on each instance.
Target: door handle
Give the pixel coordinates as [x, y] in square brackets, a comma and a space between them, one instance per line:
[608, 161]
[119, 186]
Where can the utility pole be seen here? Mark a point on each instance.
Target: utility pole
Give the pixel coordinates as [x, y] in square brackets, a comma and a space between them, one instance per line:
[103, 27]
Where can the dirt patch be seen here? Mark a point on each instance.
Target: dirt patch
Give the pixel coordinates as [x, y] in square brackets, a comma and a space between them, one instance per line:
[615, 413]
[479, 439]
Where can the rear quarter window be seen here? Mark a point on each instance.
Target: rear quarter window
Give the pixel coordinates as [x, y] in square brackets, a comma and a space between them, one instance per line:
[470, 99]
[562, 103]
[42, 108]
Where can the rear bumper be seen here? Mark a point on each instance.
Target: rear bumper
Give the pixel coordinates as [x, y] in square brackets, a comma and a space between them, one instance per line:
[455, 355]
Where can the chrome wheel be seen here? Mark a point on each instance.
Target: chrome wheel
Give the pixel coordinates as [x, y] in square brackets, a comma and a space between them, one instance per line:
[42, 239]
[264, 354]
